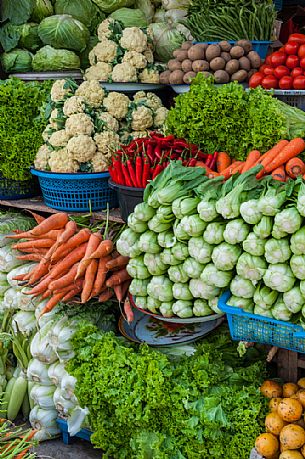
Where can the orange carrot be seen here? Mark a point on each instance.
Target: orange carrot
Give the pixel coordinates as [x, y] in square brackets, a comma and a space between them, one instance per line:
[279, 174]
[92, 245]
[128, 311]
[53, 301]
[235, 167]
[106, 295]
[69, 231]
[38, 218]
[20, 277]
[30, 257]
[40, 270]
[117, 262]
[55, 221]
[104, 249]
[208, 171]
[252, 159]
[223, 161]
[41, 251]
[53, 234]
[295, 167]
[39, 243]
[72, 293]
[118, 278]
[100, 276]
[75, 241]
[89, 281]
[64, 265]
[46, 294]
[294, 148]
[63, 281]
[121, 290]
[266, 158]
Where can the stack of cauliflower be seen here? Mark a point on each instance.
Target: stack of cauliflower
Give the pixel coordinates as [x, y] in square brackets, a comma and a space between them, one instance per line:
[122, 55]
[87, 124]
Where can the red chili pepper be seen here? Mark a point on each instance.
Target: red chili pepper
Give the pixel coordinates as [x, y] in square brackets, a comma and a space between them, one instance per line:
[192, 162]
[146, 173]
[158, 151]
[112, 173]
[157, 170]
[209, 160]
[213, 162]
[201, 156]
[128, 181]
[150, 152]
[119, 171]
[139, 171]
[132, 173]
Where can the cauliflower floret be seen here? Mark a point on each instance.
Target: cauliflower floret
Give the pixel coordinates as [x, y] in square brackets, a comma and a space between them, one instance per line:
[124, 73]
[80, 123]
[104, 29]
[139, 134]
[53, 117]
[46, 134]
[75, 104]
[81, 148]
[133, 39]
[108, 122]
[101, 71]
[150, 76]
[105, 51]
[42, 158]
[59, 138]
[62, 161]
[160, 117]
[58, 92]
[99, 164]
[149, 56]
[141, 119]
[135, 59]
[107, 142]
[117, 104]
[92, 92]
[150, 99]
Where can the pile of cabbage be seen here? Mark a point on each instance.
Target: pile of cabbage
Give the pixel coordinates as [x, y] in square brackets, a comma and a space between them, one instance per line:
[192, 239]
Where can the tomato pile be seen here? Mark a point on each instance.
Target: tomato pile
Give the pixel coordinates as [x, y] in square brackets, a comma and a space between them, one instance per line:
[285, 68]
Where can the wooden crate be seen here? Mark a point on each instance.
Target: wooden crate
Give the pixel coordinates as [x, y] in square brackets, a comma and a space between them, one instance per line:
[290, 365]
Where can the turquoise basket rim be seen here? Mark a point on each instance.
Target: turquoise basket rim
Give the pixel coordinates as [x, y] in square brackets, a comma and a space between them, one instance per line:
[75, 176]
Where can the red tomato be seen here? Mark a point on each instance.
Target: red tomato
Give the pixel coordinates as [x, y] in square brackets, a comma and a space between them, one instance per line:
[292, 62]
[301, 52]
[296, 72]
[286, 82]
[278, 58]
[281, 71]
[292, 48]
[270, 82]
[268, 59]
[256, 79]
[302, 62]
[299, 82]
[297, 37]
[268, 70]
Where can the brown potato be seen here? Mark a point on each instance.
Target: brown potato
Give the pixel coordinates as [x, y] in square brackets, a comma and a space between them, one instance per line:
[225, 45]
[181, 55]
[173, 64]
[212, 51]
[226, 56]
[255, 59]
[237, 52]
[246, 44]
[239, 76]
[164, 77]
[187, 65]
[176, 77]
[244, 63]
[186, 45]
[188, 77]
[218, 63]
[232, 66]
[200, 66]
[221, 77]
[196, 52]
[176, 52]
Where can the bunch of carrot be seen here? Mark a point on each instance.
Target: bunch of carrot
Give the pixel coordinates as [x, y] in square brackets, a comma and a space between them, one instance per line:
[15, 442]
[71, 262]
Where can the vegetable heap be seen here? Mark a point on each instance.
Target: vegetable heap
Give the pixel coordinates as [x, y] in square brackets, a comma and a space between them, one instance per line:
[284, 423]
[247, 120]
[15, 441]
[20, 126]
[283, 69]
[225, 61]
[143, 159]
[87, 124]
[179, 402]
[122, 55]
[70, 262]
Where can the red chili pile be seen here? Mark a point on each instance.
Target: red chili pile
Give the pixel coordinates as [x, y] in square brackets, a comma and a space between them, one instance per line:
[283, 69]
[143, 159]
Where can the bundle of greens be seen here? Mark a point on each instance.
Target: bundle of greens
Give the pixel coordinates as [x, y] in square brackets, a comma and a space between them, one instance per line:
[145, 403]
[228, 118]
[20, 126]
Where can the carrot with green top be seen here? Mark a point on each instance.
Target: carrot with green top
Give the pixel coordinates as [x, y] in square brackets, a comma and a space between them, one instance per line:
[100, 275]
[90, 276]
[75, 241]
[266, 158]
[118, 278]
[93, 243]
[294, 148]
[55, 221]
[38, 244]
[67, 279]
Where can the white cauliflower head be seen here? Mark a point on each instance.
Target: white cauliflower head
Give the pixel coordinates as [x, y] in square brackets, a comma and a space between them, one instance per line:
[53, 117]
[107, 142]
[135, 59]
[58, 92]
[42, 158]
[59, 138]
[124, 73]
[105, 51]
[150, 76]
[104, 30]
[141, 119]
[138, 134]
[79, 123]
[149, 55]
[75, 104]
[150, 99]
[46, 134]
[101, 71]
[99, 164]
[108, 122]
[133, 39]
[62, 161]
[81, 148]
[117, 104]
[160, 117]
[92, 92]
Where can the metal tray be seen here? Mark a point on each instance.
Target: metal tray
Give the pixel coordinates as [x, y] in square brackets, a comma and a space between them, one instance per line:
[131, 87]
[41, 76]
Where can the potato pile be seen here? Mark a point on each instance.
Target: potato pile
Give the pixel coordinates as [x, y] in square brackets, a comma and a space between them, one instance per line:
[224, 61]
[285, 424]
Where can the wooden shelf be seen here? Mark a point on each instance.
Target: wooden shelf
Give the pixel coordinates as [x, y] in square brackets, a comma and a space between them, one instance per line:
[37, 205]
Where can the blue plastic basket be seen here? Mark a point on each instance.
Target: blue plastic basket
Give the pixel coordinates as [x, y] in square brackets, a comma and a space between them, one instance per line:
[259, 329]
[76, 192]
[85, 434]
[295, 98]
[15, 189]
[261, 47]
